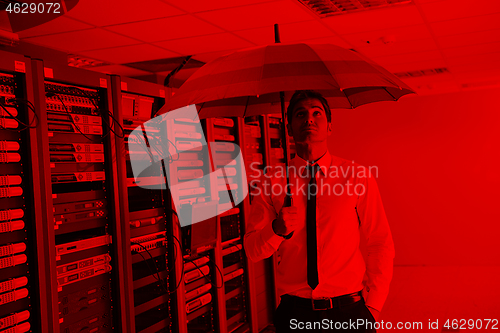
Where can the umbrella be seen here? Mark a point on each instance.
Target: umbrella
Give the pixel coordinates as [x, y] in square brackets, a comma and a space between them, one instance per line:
[255, 81]
[248, 82]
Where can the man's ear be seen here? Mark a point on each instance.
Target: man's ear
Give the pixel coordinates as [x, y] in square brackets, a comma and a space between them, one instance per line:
[329, 128]
[289, 130]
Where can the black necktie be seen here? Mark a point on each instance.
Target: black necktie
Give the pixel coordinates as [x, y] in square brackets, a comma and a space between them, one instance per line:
[312, 244]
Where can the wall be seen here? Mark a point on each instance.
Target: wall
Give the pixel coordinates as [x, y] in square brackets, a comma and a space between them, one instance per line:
[438, 161]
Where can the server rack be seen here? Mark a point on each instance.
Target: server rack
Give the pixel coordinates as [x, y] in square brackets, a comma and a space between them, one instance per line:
[264, 147]
[91, 224]
[144, 226]
[193, 191]
[257, 157]
[78, 193]
[275, 156]
[227, 136]
[21, 267]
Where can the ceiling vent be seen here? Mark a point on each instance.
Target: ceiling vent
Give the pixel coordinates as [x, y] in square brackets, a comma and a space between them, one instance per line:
[165, 65]
[326, 8]
[423, 72]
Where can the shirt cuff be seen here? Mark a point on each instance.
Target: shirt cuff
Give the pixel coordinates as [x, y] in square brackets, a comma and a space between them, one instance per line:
[373, 299]
[268, 236]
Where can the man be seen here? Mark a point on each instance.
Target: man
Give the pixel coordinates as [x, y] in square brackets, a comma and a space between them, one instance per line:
[322, 278]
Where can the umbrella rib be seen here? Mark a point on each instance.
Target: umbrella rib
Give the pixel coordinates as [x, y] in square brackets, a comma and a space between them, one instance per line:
[390, 94]
[246, 107]
[352, 107]
[201, 107]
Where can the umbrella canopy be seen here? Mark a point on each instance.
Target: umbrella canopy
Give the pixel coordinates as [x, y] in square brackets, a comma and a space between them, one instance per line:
[248, 82]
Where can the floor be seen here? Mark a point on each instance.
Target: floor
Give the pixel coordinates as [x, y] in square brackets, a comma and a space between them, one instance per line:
[420, 294]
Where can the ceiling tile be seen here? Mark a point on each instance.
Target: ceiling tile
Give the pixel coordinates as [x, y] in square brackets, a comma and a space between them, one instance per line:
[119, 70]
[466, 25]
[60, 24]
[292, 32]
[408, 57]
[256, 16]
[471, 50]
[132, 53]
[482, 75]
[195, 6]
[330, 40]
[489, 59]
[476, 67]
[164, 29]
[481, 37]
[203, 44]
[401, 34]
[82, 40]
[455, 9]
[380, 50]
[377, 19]
[102, 13]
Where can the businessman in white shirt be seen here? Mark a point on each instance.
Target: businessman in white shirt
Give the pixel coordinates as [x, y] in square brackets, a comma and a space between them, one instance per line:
[323, 280]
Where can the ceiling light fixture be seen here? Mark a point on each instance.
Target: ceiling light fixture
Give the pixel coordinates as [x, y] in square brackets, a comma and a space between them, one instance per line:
[82, 62]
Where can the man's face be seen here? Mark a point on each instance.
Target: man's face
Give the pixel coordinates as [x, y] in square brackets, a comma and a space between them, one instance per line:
[309, 122]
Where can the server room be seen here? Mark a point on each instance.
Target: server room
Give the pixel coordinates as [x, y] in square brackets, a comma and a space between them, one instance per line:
[249, 166]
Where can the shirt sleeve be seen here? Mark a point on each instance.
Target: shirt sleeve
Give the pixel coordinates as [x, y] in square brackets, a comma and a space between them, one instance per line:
[379, 244]
[260, 241]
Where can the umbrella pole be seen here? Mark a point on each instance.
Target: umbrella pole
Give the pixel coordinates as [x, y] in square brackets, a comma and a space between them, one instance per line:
[288, 202]
[288, 199]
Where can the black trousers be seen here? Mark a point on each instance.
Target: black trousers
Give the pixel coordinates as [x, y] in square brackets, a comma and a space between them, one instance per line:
[355, 317]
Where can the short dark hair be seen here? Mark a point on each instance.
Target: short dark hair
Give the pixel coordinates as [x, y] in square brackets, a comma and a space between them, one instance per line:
[301, 95]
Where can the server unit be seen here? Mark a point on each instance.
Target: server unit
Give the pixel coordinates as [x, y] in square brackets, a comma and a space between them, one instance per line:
[235, 288]
[263, 148]
[103, 247]
[253, 152]
[143, 203]
[227, 146]
[277, 156]
[81, 203]
[79, 196]
[199, 285]
[19, 308]
[193, 195]
[193, 186]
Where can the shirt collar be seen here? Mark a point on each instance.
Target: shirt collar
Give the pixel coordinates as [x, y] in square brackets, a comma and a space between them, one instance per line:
[323, 162]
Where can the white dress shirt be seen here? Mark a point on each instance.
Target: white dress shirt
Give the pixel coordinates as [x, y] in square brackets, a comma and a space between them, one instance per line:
[342, 187]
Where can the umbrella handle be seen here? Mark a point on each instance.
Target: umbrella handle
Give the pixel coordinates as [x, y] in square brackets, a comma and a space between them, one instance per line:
[288, 200]
[288, 203]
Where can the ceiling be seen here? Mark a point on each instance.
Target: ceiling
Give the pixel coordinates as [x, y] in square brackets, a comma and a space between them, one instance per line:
[410, 39]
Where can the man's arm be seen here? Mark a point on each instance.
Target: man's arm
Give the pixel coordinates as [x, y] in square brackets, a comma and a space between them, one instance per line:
[379, 244]
[260, 241]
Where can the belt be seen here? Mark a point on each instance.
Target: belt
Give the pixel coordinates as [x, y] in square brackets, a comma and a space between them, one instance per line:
[323, 303]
